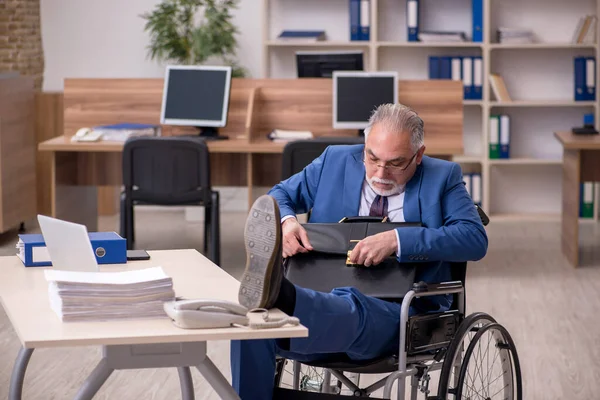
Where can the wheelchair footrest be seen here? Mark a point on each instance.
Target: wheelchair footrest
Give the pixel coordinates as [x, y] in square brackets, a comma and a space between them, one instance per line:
[289, 394]
[430, 332]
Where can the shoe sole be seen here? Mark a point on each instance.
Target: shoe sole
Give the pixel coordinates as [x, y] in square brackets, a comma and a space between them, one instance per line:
[262, 239]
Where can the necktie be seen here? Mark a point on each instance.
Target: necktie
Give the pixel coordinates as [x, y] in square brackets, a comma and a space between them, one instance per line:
[379, 207]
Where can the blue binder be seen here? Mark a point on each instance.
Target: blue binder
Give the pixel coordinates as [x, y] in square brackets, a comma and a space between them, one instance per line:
[580, 88]
[477, 90]
[434, 67]
[354, 19]
[477, 7]
[590, 78]
[412, 20]
[445, 67]
[365, 20]
[109, 248]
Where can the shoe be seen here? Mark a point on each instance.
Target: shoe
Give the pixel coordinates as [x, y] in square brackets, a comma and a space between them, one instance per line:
[262, 277]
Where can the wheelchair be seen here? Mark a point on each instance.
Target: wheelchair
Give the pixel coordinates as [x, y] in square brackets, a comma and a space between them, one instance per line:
[474, 354]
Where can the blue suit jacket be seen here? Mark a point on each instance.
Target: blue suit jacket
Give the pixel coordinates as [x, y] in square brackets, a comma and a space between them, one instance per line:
[435, 196]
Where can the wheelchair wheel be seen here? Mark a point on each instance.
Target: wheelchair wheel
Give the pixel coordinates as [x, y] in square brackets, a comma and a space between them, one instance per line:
[449, 374]
[491, 368]
[311, 379]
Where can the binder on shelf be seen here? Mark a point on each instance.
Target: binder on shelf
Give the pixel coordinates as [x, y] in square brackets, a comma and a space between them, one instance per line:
[445, 68]
[586, 200]
[109, 248]
[434, 67]
[477, 9]
[412, 20]
[590, 78]
[504, 136]
[476, 188]
[354, 20]
[365, 20]
[456, 68]
[477, 93]
[467, 72]
[580, 72]
[494, 137]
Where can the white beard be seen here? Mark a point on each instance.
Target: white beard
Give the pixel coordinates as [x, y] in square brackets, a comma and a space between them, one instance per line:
[396, 188]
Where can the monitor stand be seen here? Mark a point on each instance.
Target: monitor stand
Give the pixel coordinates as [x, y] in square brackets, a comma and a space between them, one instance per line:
[210, 133]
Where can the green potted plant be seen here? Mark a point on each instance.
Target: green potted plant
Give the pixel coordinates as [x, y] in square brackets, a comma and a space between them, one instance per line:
[175, 36]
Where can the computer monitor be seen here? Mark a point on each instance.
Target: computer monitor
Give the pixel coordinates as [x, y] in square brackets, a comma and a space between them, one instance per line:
[321, 64]
[357, 94]
[197, 95]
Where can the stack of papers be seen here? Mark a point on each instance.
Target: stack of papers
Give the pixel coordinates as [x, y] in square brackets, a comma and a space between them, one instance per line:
[97, 296]
[280, 135]
[515, 35]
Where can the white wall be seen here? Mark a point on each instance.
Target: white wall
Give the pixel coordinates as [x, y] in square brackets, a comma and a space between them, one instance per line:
[106, 38]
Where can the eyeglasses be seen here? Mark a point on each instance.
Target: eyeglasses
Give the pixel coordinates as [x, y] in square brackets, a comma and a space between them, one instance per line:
[394, 169]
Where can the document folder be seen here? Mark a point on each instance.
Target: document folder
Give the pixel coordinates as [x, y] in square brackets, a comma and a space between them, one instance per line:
[109, 248]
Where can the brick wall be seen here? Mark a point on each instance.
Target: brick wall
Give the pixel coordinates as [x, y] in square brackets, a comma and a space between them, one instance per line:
[21, 39]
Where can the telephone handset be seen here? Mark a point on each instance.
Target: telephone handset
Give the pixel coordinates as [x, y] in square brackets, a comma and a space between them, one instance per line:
[210, 313]
[205, 313]
[86, 135]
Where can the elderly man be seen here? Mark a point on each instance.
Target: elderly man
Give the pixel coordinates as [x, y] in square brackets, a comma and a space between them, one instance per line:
[390, 176]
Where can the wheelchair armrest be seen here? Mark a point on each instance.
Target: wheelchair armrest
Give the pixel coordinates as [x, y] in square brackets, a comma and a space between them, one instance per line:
[432, 289]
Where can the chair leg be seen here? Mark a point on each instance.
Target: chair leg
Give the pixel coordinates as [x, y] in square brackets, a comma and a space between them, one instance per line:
[207, 223]
[215, 231]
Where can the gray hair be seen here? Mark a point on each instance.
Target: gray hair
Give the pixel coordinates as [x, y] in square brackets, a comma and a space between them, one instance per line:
[398, 118]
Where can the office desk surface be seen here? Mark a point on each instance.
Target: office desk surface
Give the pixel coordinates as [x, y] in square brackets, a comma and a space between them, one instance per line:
[583, 142]
[62, 143]
[234, 145]
[24, 296]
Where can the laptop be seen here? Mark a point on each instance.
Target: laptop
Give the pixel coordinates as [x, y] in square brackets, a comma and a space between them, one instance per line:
[68, 245]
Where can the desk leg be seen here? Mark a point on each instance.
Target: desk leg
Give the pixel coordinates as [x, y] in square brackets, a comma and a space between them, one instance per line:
[94, 382]
[187, 385]
[571, 178]
[15, 391]
[213, 376]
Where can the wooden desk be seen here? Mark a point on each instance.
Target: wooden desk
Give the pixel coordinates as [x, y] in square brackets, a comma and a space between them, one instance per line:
[581, 162]
[127, 344]
[248, 159]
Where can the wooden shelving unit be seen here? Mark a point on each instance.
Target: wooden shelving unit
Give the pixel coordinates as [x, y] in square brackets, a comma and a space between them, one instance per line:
[539, 77]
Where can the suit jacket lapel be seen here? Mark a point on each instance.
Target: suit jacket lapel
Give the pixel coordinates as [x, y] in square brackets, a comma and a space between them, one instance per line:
[353, 180]
[412, 207]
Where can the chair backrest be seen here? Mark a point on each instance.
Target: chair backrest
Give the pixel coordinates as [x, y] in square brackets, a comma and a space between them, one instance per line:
[167, 170]
[298, 154]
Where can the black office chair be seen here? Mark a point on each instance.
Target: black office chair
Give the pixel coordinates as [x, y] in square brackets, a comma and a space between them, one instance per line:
[298, 154]
[169, 171]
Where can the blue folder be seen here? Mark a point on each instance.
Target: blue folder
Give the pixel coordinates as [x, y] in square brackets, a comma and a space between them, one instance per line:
[477, 8]
[109, 248]
[580, 70]
[355, 20]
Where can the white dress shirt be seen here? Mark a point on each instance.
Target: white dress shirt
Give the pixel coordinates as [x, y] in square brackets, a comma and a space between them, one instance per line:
[395, 209]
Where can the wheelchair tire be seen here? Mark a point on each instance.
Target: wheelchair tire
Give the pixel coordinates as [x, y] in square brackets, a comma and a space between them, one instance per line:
[466, 331]
[483, 382]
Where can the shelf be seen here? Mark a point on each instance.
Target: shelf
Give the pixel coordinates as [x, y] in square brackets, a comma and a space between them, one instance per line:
[524, 161]
[473, 102]
[430, 44]
[467, 159]
[518, 217]
[540, 46]
[324, 43]
[543, 103]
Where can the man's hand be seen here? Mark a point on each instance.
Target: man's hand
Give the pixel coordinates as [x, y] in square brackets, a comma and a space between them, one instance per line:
[372, 250]
[295, 239]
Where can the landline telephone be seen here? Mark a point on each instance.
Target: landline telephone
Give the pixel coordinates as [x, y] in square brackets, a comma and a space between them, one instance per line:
[86, 135]
[209, 313]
